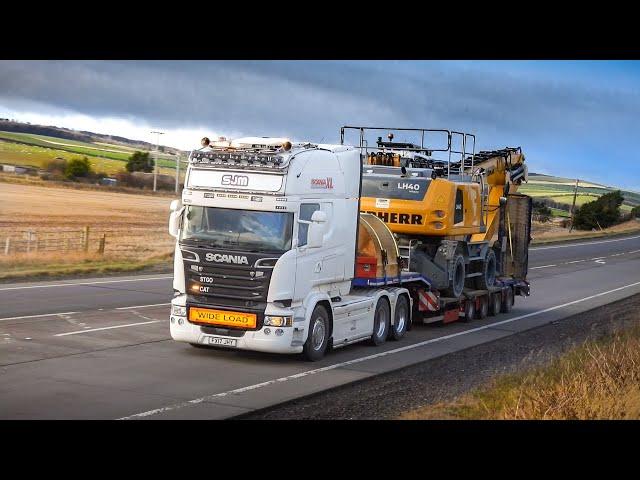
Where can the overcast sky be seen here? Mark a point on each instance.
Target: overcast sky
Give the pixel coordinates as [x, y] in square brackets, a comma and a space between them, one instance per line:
[573, 119]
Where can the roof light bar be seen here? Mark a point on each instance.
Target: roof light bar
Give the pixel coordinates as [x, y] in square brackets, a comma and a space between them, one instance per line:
[214, 158]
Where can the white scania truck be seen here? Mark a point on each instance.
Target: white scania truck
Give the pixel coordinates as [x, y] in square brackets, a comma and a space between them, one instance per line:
[269, 241]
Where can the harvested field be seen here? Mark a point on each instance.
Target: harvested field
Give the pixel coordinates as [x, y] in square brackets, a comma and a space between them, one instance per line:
[135, 225]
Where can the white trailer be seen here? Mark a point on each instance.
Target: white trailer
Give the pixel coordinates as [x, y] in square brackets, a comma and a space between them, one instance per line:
[266, 235]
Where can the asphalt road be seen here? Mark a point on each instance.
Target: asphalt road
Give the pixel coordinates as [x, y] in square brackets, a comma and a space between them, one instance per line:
[101, 348]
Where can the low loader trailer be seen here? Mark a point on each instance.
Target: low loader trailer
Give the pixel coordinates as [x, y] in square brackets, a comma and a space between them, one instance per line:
[274, 253]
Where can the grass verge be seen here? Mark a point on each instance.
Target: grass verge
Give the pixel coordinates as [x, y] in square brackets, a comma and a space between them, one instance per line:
[19, 267]
[598, 380]
[632, 226]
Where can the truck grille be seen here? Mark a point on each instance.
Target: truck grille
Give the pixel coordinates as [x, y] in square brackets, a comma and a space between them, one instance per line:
[228, 285]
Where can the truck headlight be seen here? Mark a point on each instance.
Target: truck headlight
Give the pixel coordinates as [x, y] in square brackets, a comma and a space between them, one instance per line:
[178, 311]
[275, 321]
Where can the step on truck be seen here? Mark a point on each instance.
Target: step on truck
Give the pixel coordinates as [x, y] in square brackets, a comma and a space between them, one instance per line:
[274, 253]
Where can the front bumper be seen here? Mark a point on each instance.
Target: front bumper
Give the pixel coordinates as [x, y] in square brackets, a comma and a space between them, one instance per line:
[290, 341]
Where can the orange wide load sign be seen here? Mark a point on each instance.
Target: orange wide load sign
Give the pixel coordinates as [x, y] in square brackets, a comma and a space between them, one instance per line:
[222, 317]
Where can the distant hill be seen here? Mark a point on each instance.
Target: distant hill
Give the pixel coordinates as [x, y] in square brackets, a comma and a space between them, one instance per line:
[560, 190]
[79, 136]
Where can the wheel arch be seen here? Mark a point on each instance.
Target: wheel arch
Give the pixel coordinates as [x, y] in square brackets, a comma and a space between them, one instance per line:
[310, 304]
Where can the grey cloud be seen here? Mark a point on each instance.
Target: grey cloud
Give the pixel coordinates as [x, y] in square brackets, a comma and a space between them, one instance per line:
[310, 100]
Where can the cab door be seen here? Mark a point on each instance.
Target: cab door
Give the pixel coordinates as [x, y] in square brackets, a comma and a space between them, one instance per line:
[308, 260]
[318, 267]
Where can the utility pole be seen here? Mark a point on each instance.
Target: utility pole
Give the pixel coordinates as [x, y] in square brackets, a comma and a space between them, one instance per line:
[573, 206]
[155, 162]
[177, 171]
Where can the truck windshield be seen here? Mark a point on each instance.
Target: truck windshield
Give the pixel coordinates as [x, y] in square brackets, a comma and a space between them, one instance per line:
[245, 229]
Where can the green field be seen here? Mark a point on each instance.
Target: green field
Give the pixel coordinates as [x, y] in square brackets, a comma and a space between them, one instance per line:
[99, 150]
[556, 212]
[560, 190]
[37, 157]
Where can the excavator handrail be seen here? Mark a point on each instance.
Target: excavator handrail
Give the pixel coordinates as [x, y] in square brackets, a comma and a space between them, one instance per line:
[451, 134]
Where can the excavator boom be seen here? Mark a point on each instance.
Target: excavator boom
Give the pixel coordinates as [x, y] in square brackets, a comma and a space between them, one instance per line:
[502, 172]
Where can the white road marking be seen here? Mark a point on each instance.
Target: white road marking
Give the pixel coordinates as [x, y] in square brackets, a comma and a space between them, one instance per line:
[87, 283]
[595, 259]
[368, 357]
[586, 243]
[143, 306]
[36, 316]
[106, 328]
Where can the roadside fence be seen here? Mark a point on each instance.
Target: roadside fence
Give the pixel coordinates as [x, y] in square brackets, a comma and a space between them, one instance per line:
[58, 240]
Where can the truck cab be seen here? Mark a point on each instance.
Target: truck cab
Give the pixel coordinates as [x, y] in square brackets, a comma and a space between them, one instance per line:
[266, 235]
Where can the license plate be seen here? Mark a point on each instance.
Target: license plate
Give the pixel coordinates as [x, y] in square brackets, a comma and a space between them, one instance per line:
[222, 317]
[223, 342]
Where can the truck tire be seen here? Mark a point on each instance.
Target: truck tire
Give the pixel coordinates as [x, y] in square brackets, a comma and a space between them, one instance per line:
[318, 338]
[488, 277]
[495, 304]
[456, 285]
[469, 309]
[401, 318]
[483, 311]
[507, 301]
[381, 322]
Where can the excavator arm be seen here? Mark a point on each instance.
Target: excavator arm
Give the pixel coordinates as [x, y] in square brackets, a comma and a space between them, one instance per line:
[502, 172]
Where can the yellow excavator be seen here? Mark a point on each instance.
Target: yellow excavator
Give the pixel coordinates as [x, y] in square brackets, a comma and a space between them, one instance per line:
[446, 204]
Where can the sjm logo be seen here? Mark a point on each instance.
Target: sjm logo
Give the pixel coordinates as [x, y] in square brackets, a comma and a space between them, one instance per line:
[235, 180]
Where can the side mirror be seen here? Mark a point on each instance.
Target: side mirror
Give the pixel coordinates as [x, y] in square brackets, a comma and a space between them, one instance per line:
[319, 217]
[316, 229]
[175, 205]
[175, 217]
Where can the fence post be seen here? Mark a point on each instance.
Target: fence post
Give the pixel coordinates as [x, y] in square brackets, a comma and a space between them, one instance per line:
[86, 238]
[101, 246]
[7, 244]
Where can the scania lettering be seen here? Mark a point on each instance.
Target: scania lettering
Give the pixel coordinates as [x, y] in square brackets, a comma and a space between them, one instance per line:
[217, 257]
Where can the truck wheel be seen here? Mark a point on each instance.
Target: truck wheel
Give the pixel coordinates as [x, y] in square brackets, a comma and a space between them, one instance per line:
[483, 311]
[401, 318]
[318, 339]
[469, 309]
[457, 283]
[488, 277]
[495, 304]
[507, 301]
[381, 321]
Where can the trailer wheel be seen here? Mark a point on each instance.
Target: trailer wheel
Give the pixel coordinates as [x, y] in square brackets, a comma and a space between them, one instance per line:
[495, 304]
[507, 303]
[381, 321]
[459, 274]
[318, 339]
[488, 277]
[469, 309]
[483, 311]
[401, 318]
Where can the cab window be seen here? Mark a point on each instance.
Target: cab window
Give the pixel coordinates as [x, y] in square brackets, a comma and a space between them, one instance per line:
[306, 211]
